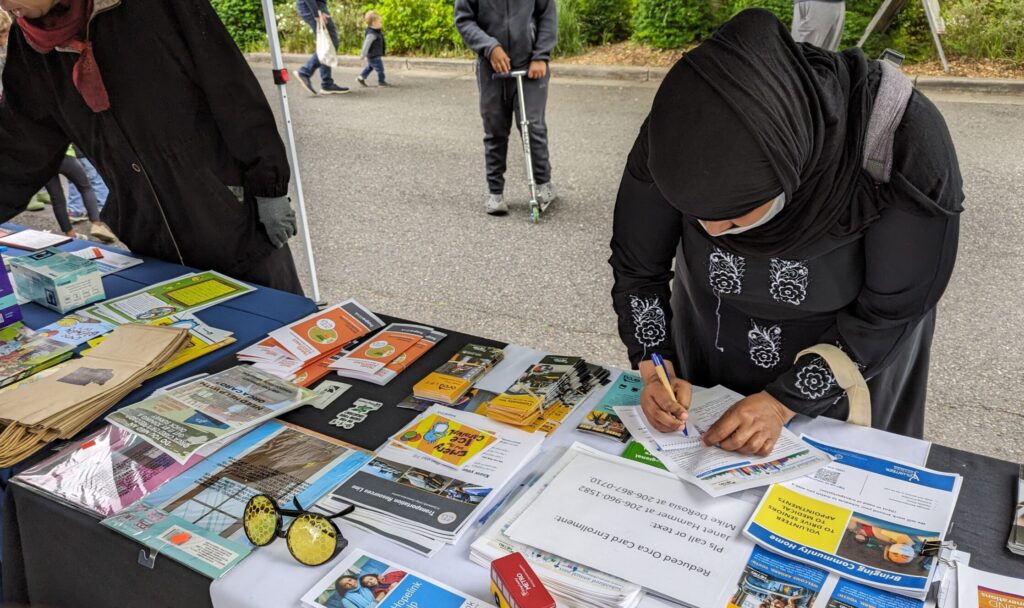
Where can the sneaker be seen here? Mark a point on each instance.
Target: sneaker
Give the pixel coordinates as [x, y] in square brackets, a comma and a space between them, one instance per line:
[546, 195]
[35, 205]
[102, 233]
[306, 83]
[385, 83]
[333, 89]
[44, 197]
[78, 218]
[495, 205]
[361, 80]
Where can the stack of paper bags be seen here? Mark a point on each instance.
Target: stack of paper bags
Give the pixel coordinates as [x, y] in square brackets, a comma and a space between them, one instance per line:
[448, 383]
[538, 389]
[61, 405]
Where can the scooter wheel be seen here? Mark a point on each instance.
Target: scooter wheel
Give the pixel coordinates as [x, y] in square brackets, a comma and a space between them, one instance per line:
[535, 215]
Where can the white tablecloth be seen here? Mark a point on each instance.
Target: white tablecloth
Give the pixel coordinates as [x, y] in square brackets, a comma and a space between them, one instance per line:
[271, 578]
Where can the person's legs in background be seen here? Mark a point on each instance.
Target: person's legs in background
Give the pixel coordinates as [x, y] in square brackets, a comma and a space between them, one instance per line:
[377, 63]
[819, 22]
[313, 63]
[76, 208]
[72, 169]
[496, 112]
[60, 205]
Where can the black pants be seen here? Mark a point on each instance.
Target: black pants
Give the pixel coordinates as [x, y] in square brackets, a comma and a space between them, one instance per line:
[276, 270]
[499, 105]
[72, 169]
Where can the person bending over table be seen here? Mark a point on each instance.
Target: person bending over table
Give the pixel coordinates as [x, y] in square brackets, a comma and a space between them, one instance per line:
[161, 100]
[747, 174]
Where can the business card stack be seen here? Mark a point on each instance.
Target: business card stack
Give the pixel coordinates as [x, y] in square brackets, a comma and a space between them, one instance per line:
[448, 383]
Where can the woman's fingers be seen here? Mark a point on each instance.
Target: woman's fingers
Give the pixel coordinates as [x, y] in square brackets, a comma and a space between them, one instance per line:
[660, 409]
[683, 391]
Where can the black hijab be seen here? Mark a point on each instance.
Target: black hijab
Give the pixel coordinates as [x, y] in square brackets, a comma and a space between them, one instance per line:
[750, 114]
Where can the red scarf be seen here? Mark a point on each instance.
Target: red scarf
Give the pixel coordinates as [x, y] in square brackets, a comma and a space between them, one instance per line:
[64, 29]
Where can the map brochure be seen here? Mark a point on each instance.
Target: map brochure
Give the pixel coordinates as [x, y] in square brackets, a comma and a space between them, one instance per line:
[187, 293]
[603, 420]
[186, 418]
[363, 579]
[196, 517]
[714, 470]
[326, 331]
[871, 520]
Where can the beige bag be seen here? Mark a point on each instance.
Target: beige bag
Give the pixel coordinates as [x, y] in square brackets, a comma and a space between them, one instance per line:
[849, 378]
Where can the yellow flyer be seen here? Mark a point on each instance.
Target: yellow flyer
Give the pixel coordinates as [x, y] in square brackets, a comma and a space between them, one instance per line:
[445, 440]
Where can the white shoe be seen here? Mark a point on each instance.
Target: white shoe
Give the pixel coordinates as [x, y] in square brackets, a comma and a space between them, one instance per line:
[546, 195]
[495, 204]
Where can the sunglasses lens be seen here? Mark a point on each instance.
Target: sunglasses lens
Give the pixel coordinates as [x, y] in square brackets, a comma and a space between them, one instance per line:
[312, 539]
[260, 520]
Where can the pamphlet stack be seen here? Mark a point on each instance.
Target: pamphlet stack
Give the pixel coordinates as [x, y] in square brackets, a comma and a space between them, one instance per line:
[448, 383]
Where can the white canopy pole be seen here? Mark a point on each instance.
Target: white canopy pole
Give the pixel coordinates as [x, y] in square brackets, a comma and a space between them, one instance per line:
[277, 65]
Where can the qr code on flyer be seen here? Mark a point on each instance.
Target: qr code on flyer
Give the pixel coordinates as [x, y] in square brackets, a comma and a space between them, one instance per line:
[827, 475]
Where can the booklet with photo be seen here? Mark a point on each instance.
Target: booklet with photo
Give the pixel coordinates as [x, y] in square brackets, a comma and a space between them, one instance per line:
[363, 580]
[75, 330]
[185, 419]
[714, 470]
[874, 521]
[24, 353]
[108, 261]
[196, 517]
[603, 420]
[469, 402]
[326, 331]
[187, 293]
[979, 589]
[448, 383]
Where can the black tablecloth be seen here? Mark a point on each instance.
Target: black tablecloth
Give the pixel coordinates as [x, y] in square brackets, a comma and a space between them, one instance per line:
[55, 556]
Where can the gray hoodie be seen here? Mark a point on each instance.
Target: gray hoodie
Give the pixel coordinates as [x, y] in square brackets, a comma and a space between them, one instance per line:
[526, 29]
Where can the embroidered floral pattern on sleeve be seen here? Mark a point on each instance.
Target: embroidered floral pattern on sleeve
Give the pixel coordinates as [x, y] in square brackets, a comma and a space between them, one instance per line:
[815, 380]
[788, 281]
[725, 272]
[765, 344]
[648, 320]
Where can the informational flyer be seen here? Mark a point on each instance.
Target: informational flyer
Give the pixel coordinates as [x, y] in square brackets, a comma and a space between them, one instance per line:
[74, 330]
[110, 261]
[638, 524]
[326, 331]
[603, 420]
[187, 293]
[714, 470]
[873, 521]
[445, 439]
[979, 589]
[183, 420]
[363, 579]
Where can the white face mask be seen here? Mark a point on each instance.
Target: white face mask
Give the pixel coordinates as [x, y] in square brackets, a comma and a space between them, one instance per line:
[777, 204]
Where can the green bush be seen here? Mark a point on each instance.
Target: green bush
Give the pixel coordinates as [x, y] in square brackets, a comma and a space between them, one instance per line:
[605, 21]
[570, 33]
[420, 26]
[244, 20]
[670, 24]
[992, 30]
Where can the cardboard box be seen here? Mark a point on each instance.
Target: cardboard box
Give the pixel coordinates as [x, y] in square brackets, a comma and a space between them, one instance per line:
[57, 280]
[514, 584]
[10, 312]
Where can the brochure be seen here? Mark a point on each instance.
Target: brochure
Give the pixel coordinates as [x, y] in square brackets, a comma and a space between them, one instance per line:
[469, 402]
[422, 503]
[202, 507]
[24, 353]
[75, 330]
[444, 439]
[638, 453]
[363, 579]
[448, 383]
[572, 582]
[714, 470]
[326, 331]
[395, 347]
[1016, 541]
[603, 420]
[188, 417]
[104, 473]
[187, 293]
[638, 524]
[979, 589]
[107, 261]
[33, 240]
[871, 520]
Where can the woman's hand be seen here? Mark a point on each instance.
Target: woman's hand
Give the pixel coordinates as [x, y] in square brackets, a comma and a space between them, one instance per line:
[666, 412]
[751, 426]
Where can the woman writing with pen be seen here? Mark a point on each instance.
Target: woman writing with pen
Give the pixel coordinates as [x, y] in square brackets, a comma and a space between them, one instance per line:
[749, 177]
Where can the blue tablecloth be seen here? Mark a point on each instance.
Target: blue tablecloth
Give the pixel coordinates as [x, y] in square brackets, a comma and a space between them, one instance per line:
[249, 317]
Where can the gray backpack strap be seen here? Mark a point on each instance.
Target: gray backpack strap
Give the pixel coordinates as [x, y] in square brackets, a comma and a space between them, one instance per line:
[890, 103]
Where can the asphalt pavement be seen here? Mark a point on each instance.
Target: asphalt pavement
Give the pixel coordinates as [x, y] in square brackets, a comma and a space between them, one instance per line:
[394, 188]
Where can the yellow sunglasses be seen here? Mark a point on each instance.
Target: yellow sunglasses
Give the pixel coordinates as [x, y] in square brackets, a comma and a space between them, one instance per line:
[313, 539]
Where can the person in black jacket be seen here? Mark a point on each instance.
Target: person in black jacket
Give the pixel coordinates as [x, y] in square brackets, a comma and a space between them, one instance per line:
[511, 35]
[161, 100]
[746, 191]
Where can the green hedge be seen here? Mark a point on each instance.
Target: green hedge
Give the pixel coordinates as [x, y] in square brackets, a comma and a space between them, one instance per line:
[244, 20]
[670, 24]
[605, 21]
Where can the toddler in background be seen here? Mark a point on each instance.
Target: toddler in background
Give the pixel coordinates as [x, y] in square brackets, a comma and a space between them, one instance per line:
[373, 50]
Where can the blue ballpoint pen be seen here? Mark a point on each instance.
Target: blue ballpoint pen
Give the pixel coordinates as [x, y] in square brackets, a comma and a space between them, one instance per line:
[659, 364]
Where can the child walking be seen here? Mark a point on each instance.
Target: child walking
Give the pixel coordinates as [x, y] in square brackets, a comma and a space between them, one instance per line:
[374, 48]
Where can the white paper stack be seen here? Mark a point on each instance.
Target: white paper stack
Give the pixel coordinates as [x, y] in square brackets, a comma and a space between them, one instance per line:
[423, 504]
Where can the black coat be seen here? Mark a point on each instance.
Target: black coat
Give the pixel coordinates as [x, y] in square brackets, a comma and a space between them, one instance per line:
[187, 120]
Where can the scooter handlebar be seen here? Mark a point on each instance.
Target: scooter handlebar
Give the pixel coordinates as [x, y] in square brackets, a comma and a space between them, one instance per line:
[507, 75]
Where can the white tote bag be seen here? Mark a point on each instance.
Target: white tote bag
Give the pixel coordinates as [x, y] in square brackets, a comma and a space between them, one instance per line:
[325, 50]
